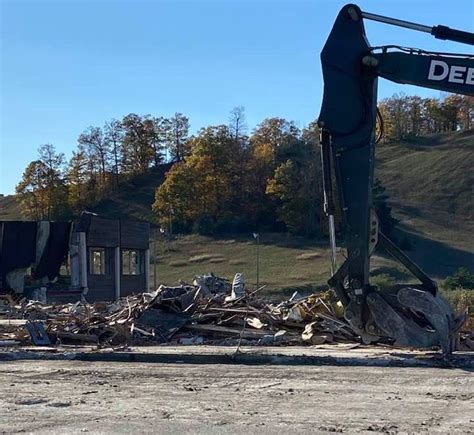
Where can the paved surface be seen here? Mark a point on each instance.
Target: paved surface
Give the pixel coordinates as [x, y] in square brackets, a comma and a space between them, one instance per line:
[71, 396]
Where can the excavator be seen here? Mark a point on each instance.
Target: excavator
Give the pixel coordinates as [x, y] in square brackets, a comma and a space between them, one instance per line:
[412, 315]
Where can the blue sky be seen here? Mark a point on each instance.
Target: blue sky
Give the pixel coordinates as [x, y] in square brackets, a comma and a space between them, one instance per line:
[66, 65]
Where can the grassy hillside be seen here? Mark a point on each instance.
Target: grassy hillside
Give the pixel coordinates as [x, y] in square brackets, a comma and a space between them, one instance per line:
[430, 183]
[432, 172]
[286, 263]
[9, 209]
[135, 197]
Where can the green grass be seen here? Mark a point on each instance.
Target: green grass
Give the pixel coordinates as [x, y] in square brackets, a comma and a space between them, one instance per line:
[430, 172]
[460, 299]
[287, 263]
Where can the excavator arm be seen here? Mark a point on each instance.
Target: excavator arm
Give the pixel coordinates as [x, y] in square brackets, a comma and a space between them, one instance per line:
[413, 315]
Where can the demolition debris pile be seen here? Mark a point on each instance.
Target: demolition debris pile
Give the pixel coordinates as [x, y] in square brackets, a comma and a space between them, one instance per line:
[210, 311]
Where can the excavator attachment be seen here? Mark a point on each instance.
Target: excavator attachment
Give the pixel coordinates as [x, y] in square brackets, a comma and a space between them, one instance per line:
[412, 315]
[416, 319]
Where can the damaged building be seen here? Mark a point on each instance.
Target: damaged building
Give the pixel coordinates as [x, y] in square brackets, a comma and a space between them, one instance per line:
[95, 258]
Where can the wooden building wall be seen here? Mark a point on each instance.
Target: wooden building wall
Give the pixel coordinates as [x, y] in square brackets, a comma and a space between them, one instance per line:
[102, 287]
[134, 234]
[103, 233]
[111, 233]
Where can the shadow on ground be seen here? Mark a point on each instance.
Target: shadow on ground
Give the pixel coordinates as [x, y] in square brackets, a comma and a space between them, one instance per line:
[436, 258]
[462, 360]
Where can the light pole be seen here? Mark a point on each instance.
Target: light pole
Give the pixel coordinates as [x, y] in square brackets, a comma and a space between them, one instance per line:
[171, 222]
[256, 236]
[155, 280]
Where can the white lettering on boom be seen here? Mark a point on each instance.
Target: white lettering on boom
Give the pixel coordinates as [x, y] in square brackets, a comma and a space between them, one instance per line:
[440, 70]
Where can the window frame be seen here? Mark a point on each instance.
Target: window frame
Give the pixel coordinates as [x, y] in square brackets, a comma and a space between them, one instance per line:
[128, 268]
[103, 261]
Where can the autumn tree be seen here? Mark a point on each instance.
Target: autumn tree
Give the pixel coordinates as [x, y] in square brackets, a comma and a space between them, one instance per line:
[458, 112]
[395, 115]
[267, 149]
[31, 191]
[286, 186]
[433, 119]
[205, 183]
[179, 197]
[466, 111]
[297, 187]
[406, 116]
[277, 132]
[42, 192]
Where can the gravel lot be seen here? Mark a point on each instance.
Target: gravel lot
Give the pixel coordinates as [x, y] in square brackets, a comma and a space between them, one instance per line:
[60, 396]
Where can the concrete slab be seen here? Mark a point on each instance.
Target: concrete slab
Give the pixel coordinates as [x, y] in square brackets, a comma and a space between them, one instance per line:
[60, 396]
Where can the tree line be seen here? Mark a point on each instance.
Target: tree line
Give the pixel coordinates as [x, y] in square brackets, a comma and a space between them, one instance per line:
[223, 178]
[53, 188]
[232, 181]
[407, 116]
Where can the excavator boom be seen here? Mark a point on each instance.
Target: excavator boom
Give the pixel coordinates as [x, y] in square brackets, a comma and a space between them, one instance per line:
[413, 315]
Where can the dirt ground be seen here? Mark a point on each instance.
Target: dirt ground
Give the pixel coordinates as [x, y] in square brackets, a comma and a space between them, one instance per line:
[70, 396]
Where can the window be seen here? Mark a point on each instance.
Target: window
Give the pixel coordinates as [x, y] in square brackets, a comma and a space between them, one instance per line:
[97, 261]
[131, 262]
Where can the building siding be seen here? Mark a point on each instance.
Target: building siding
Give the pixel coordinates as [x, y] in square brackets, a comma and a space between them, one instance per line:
[134, 234]
[104, 233]
[102, 287]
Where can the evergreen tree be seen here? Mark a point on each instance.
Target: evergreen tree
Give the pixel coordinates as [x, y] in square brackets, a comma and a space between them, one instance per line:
[178, 143]
[137, 145]
[77, 178]
[113, 136]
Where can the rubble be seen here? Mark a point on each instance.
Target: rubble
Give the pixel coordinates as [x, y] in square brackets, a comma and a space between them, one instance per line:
[210, 311]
